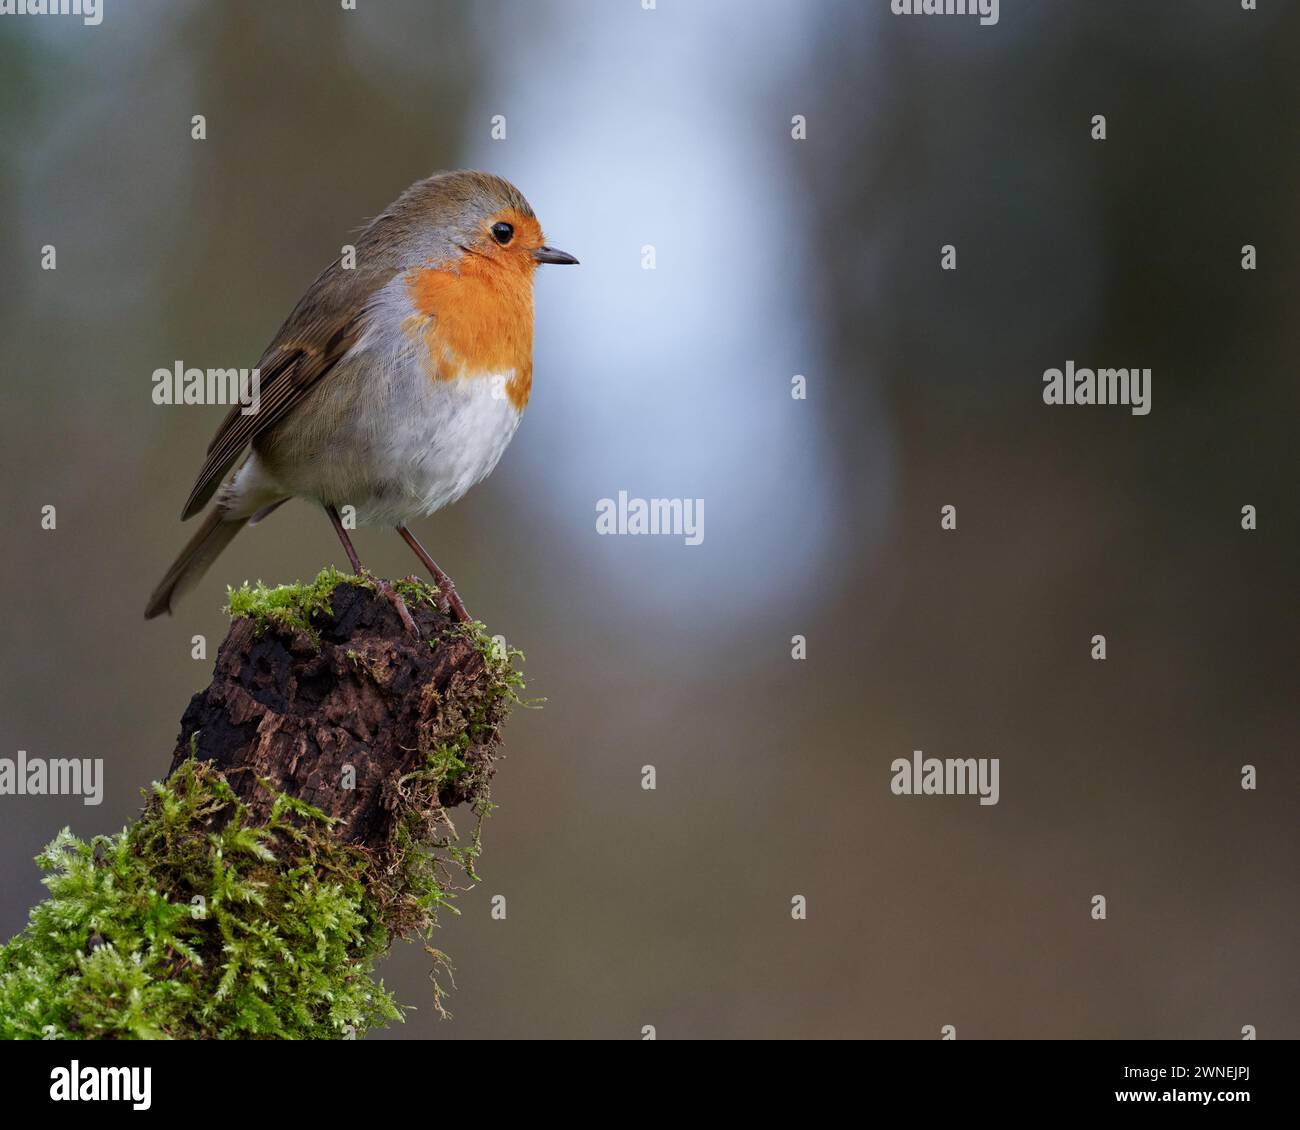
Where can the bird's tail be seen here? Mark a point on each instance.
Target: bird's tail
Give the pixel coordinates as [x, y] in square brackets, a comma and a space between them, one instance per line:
[195, 559]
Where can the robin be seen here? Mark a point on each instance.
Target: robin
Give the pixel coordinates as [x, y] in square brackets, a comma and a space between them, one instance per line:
[393, 387]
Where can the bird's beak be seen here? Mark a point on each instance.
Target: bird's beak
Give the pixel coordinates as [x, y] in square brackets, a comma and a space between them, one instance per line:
[553, 255]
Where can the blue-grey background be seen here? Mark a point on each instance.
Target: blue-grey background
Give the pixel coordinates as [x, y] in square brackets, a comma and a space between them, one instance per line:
[775, 257]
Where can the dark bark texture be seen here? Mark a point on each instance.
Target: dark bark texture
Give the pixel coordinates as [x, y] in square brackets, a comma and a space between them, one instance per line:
[337, 721]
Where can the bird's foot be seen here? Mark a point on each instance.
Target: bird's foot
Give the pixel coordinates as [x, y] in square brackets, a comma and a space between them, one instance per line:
[447, 600]
[399, 606]
[455, 606]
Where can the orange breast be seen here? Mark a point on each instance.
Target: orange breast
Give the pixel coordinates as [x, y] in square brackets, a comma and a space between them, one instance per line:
[477, 320]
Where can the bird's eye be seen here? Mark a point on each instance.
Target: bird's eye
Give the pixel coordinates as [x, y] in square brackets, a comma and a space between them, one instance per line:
[503, 233]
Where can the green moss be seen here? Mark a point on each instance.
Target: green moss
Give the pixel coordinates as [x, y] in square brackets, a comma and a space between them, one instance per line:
[415, 591]
[193, 923]
[289, 606]
[296, 606]
[507, 679]
[447, 760]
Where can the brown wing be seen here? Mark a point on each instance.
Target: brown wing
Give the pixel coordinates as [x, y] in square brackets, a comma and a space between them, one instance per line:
[324, 325]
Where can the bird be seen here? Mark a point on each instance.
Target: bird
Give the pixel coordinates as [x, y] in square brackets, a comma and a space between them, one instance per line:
[393, 386]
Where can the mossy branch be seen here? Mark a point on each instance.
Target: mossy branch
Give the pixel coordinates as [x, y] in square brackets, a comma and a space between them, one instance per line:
[303, 827]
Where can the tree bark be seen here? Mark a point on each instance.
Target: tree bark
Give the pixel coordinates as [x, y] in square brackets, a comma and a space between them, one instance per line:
[338, 721]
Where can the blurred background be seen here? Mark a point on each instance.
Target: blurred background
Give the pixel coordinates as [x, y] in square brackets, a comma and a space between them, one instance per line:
[774, 257]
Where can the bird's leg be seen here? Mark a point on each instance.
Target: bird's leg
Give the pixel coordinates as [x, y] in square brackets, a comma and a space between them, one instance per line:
[444, 582]
[392, 595]
[343, 537]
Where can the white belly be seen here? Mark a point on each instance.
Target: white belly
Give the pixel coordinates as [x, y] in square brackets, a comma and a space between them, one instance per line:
[392, 442]
[445, 438]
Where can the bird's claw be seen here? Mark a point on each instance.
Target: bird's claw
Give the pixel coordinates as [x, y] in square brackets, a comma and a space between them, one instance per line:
[399, 606]
[442, 601]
